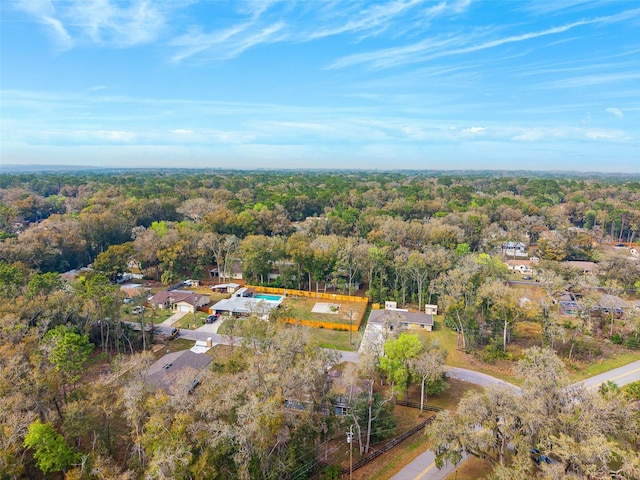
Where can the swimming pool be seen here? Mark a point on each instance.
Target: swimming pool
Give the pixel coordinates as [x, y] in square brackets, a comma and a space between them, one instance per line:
[263, 296]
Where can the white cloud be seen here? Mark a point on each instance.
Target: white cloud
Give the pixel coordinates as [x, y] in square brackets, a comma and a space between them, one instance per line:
[429, 50]
[99, 21]
[474, 130]
[615, 111]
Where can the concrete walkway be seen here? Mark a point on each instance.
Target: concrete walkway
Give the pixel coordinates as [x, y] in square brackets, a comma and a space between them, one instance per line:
[173, 318]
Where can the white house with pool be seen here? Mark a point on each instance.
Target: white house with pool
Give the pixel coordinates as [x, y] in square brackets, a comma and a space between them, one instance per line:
[245, 302]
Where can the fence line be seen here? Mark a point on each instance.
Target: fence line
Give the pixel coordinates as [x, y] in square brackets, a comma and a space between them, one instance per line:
[305, 293]
[417, 405]
[375, 454]
[344, 327]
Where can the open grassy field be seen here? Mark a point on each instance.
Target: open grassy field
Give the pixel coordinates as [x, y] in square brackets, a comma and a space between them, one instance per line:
[338, 340]
[300, 308]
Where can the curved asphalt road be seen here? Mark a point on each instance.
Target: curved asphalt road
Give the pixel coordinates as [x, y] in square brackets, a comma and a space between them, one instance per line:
[424, 467]
[621, 376]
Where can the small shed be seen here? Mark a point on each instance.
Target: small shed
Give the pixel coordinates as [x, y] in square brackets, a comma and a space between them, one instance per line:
[225, 287]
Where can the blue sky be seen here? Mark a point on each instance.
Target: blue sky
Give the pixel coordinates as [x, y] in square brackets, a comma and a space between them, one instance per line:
[451, 84]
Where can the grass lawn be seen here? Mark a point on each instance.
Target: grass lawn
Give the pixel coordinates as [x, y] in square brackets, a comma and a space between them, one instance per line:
[189, 320]
[604, 365]
[325, 338]
[174, 346]
[301, 308]
[154, 315]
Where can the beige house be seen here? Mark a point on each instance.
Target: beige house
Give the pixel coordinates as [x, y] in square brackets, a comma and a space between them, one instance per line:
[588, 268]
[521, 266]
[179, 300]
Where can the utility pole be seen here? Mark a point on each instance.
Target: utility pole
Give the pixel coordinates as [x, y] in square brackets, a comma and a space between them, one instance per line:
[144, 333]
[350, 442]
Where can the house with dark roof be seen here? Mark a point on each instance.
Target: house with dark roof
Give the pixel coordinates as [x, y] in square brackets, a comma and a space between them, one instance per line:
[176, 371]
[179, 300]
[612, 305]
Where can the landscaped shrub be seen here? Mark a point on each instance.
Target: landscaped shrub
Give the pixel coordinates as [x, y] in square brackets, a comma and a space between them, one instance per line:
[331, 473]
[633, 343]
[451, 322]
[584, 349]
[437, 386]
[633, 390]
[492, 353]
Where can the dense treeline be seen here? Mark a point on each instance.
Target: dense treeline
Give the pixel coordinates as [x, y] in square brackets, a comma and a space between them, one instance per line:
[103, 209]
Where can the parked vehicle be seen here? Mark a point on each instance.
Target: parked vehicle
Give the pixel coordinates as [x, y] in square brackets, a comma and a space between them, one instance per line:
[539, 457]
[137, 310]
[193, 386]
[175, 333]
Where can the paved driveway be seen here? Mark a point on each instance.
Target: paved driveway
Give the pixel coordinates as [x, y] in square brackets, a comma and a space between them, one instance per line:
[211, 327]
[173, 318]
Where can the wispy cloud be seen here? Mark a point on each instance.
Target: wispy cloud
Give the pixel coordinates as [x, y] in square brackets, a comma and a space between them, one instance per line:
[263, 23]
[429, 50]
[373, 17]
[548, 8]
[615, 111]
[99, 21]
[224, 44]
[591, 80]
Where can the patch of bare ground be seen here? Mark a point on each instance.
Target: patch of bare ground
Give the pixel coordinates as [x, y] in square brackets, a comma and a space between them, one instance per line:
[472, 469]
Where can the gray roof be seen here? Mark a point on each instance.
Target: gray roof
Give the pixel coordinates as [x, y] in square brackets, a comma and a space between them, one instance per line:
[225, 285]
[180, 362]
[378, 316]
[175, 296]
[612, 301]
[244, 305]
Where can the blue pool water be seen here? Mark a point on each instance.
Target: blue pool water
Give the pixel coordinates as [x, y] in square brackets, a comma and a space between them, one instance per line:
[273, 298]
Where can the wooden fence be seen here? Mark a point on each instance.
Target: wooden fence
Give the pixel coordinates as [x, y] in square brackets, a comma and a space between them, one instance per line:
[354, 326]
[304, 293]
[345, 327]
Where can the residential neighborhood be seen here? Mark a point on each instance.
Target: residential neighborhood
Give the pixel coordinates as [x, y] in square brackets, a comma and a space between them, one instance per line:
[214, 347]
